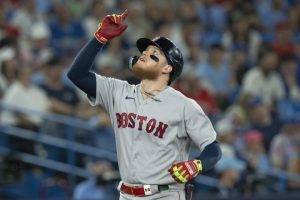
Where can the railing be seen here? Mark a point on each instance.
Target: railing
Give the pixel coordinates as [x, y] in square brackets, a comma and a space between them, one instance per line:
[69, 144]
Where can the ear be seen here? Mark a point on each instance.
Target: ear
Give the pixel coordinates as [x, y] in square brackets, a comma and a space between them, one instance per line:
[167, 69]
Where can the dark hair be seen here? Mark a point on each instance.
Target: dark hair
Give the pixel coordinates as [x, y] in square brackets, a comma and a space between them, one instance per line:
[264, 50]
[7, 41]
[216, 46]
[52, 61]
[287, 58]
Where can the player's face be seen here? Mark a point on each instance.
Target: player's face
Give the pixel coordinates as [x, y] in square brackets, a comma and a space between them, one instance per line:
[150, 63]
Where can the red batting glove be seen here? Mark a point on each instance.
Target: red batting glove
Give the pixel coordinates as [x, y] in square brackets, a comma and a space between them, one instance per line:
[111, 27]
[184, 171]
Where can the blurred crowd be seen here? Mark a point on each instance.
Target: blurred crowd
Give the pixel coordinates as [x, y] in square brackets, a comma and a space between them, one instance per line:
[242, 66]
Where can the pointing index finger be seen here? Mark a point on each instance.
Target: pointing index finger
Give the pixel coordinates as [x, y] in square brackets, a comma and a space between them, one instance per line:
[124, 15]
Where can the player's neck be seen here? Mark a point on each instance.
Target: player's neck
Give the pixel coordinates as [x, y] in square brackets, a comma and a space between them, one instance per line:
[150, 85]
[151, 88]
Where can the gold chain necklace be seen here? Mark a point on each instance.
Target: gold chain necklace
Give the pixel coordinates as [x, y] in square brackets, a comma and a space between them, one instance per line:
[150, 93]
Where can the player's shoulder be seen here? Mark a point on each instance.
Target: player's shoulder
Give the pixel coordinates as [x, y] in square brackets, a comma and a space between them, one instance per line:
[113, 82]
[180, 97]
[183, 102]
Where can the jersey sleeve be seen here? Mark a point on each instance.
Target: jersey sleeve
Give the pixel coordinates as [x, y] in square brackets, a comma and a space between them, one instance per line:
[106, 90]
[198, 126]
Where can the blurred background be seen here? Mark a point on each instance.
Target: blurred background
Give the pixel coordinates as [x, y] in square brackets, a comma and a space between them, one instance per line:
[242, 62]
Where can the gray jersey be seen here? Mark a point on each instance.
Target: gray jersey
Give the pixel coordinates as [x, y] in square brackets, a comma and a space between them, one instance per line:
[151, 134]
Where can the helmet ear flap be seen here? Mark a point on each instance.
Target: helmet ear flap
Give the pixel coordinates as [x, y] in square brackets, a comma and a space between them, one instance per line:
[131, 61]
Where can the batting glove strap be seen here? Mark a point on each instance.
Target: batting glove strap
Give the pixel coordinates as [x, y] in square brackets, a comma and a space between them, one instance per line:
[199, 165]
[110, 27]
[184, 171]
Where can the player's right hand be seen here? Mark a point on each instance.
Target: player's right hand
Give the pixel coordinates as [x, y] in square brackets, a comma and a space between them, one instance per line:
[110, 27]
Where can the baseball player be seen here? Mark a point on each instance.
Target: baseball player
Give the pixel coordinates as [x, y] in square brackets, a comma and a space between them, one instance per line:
[154, 124]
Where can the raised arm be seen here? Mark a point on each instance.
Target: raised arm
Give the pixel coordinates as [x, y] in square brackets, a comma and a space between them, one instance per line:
[80, 70]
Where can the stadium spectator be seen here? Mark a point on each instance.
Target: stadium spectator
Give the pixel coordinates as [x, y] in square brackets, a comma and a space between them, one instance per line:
[294, 168]
[241, 36]
[24, 16]
[270, 14]
[261, 119]
[239, 65]
[63, 100]
[36, 49]
[216, 72]
[284, 147]
[198, 90]
[103, 137]
[97, 11]
[263, 80]
[67, 34]
[229, 171]
[140, 26]
[8, 67]
[227, 137]
[21, 95]
[288, 71]
[213, 18]
[283, 43]
[254, 152]
[194, 51]
[237, 113]
[100, 186]
[257, 160]
[294, 17]
[7, 30]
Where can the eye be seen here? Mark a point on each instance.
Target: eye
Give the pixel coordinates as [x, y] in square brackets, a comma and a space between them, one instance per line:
[154, 57]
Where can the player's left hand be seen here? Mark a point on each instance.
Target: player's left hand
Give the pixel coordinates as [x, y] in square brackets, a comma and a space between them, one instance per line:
[184, 171]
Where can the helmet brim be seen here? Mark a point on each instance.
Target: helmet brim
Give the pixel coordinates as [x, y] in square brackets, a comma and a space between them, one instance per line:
[143, 43]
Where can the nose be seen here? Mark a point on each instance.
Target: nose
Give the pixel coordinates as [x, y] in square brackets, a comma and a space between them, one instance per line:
[144, 53]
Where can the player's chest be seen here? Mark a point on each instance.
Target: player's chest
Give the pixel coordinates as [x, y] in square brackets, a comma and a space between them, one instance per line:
[152, 117]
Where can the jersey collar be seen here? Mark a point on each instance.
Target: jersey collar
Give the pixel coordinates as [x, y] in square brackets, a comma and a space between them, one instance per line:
[158, 97]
